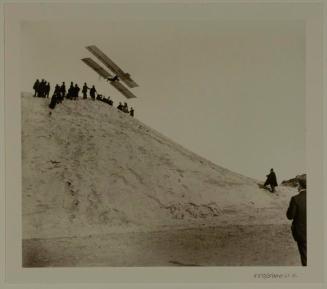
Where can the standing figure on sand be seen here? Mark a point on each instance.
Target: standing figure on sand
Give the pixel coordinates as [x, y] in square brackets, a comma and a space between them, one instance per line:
[84, 90]
[271, 180]
[36, 87]
[93, 92]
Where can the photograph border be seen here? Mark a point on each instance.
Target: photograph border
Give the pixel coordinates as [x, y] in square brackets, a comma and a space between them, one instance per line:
[313, 13]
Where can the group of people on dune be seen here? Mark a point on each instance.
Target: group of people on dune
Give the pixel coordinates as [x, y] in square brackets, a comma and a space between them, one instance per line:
[42, 89]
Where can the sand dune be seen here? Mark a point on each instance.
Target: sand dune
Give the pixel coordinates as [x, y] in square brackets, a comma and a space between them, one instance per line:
[91, 170]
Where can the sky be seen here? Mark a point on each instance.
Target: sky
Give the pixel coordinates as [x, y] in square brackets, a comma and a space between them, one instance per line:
[230, 91]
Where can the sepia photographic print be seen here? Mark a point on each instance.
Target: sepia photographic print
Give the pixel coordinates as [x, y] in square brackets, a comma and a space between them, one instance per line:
[163, 136]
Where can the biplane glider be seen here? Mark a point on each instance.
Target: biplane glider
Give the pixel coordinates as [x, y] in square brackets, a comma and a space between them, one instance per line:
[119, 73]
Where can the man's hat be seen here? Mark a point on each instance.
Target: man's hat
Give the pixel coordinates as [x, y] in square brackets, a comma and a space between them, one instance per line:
[302, 179]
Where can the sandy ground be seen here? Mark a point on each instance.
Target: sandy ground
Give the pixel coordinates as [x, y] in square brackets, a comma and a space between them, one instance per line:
[258, 245]
[103, 189]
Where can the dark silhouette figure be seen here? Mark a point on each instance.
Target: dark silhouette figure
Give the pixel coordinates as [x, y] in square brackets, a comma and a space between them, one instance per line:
[44, 88]
[36, 87]
[115, 78]
[131, 112]
[84, 90]
[93, 92]
[271, 180]
[125, 108]
[76, 92]
[105, 100]
[47, 89]
[120, 106]
[54, 99]
[41, 92]
[109, 101]
[57, 91]
[297, 211]
[70, 92]
[53, 102]
[62, 91]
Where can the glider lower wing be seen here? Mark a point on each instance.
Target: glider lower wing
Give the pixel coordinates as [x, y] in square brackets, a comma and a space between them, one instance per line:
[122, 89]
[112, 66]
[105, 74]
[97, 68]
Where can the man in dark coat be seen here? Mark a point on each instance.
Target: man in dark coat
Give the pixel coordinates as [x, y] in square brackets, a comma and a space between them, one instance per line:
[76, 92]
[36, 87]
[271, 180]
[84, 90]
[106, 100]
[93, 92]
[120, 106]
[70, 92]
[47, 89]
[125, 108]
[297, 211]
[41, 89]
[63, 90]
[131, 112]
[54, 99]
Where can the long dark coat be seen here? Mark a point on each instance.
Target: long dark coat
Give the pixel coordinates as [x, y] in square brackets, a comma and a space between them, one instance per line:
[297, 211]
[53, 101]
[272, 179]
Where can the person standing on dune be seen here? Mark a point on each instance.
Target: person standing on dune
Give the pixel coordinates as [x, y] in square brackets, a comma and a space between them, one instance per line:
[92, 92]
[63, 91]
[36, 87]
[271, 180]
[84, 90]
